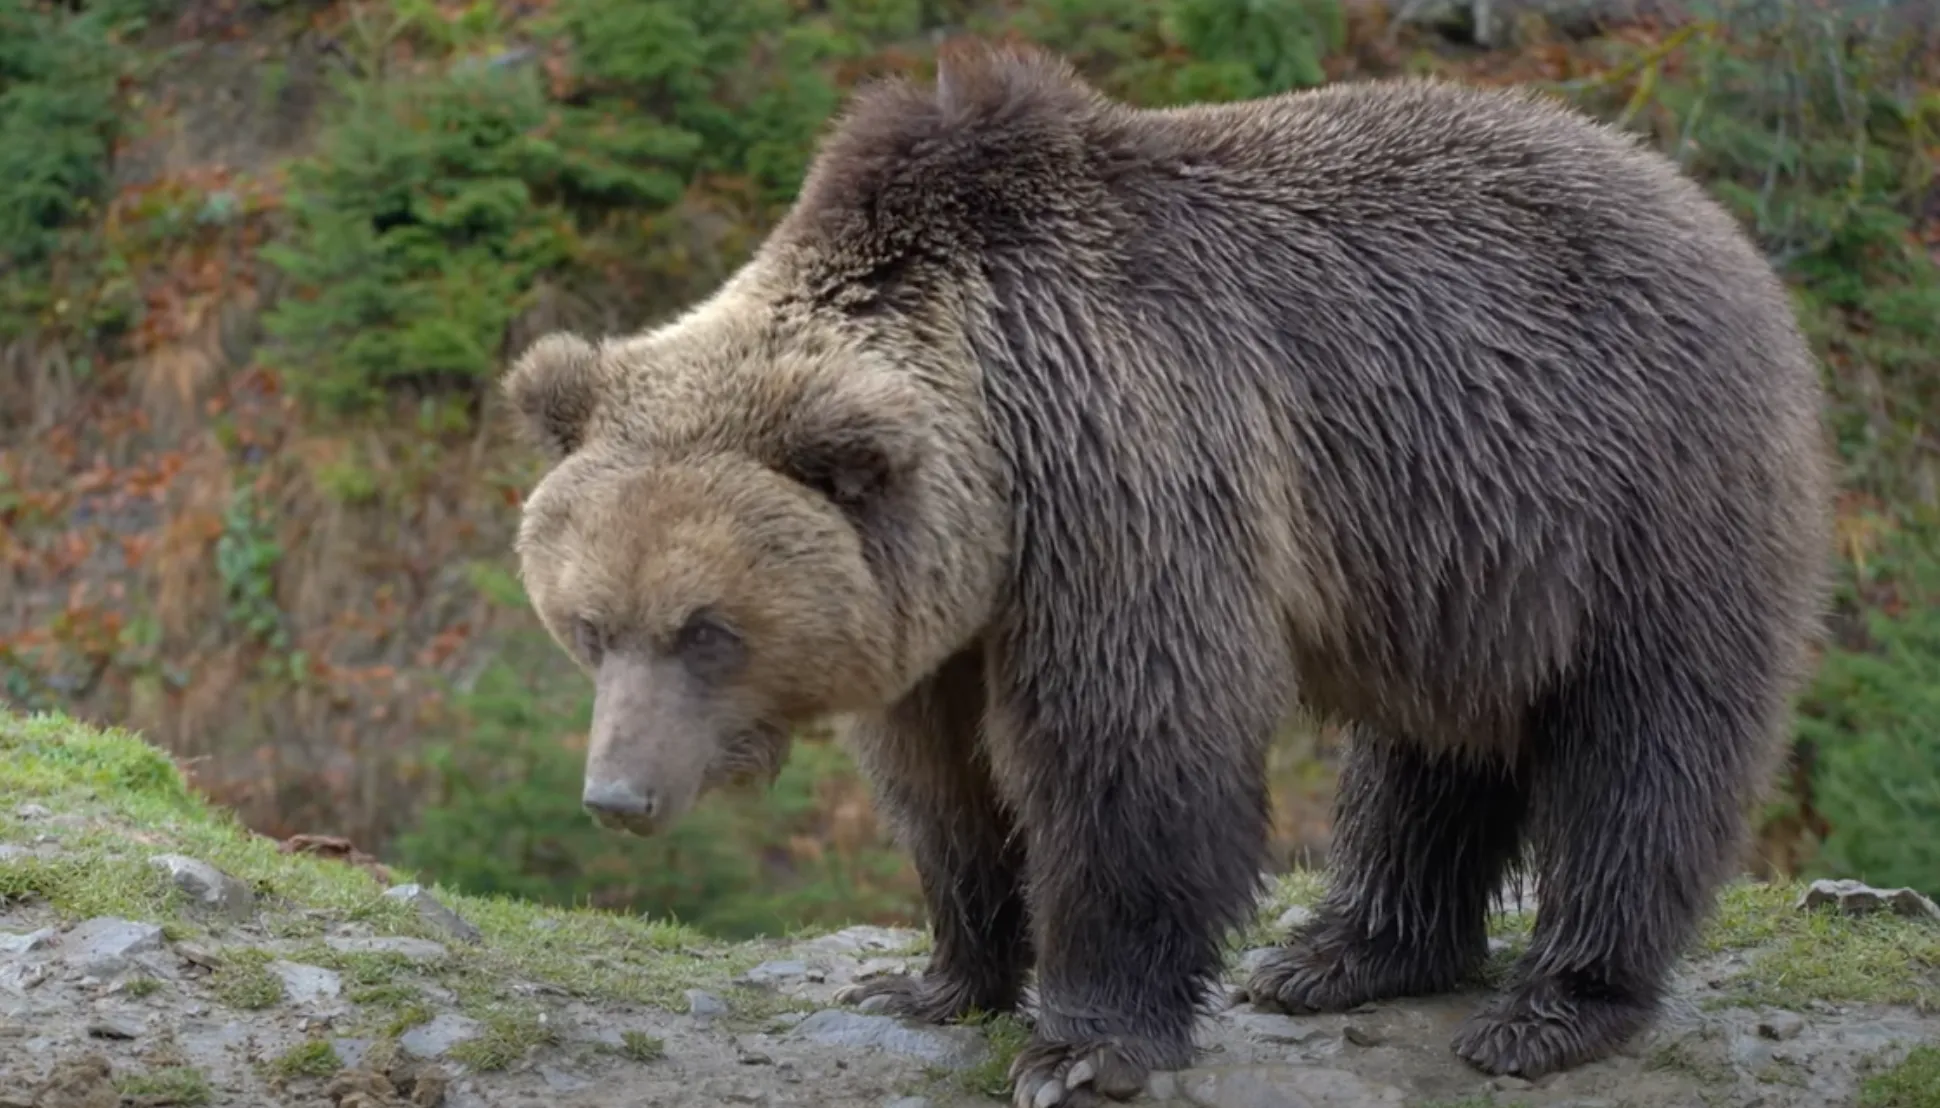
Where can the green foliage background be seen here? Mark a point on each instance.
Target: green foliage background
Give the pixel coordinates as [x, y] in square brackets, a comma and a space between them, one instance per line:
[474, 169]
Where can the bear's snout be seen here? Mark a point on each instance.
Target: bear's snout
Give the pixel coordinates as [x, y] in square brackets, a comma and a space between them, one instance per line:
[618, 806]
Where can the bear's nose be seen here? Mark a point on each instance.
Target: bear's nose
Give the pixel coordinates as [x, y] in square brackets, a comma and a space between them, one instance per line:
[618, 804]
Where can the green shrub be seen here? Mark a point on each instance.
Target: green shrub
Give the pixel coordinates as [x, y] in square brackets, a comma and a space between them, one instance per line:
[1871, 716]
[1169, 51]
[60, 113]
[419, 226]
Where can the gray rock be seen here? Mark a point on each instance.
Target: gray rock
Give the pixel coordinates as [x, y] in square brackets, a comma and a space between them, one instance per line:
[114, 1027]
[351, 1052]
[954, 1047]
[32, 811]
[1251, 961]
[774, 973]
[1858, 898]
[208, 887]
[101, 947]
[11, 853]
[1275, 1087]
[307, 984]
[559, 1081]
[18, 977]
[704, 1005]
[418, 950]
[433, 911]
[1269, 1027]
[864, 939]
[436, 1038]
[16, 944]
[1361, 1036]
[1293, 917]
[1781, 1026]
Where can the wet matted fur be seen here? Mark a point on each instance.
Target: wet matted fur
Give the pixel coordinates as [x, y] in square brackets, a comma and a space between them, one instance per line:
[1067, 447]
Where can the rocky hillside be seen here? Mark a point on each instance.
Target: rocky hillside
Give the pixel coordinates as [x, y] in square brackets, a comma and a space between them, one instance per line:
[154, 952]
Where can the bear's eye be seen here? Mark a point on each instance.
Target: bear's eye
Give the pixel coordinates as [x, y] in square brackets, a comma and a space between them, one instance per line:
[591, 643]
[708, 644]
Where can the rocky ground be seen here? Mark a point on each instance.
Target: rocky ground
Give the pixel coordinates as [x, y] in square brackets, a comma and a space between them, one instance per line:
[154, 954]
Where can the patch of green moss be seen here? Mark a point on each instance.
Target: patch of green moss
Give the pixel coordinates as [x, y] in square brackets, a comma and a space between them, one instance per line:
[1686, 1057]
[176, 1086]
[127, 801]
[1006, 1035]
[245, 981]
[510, 1031]
[315, 1058]
[138, 987]
[642, 1047]
[1794, 956]
[1914, 1083]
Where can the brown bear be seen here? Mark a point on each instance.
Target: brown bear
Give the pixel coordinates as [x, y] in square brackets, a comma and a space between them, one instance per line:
[1067, 447]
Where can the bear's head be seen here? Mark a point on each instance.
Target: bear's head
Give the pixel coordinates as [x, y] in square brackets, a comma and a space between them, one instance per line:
[718, 544]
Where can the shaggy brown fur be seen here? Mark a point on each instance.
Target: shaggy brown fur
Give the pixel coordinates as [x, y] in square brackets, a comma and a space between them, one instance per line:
[1070, 446]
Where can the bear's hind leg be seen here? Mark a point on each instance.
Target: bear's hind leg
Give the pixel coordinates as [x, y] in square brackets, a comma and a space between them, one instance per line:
[934, 787]
[1422, 839]
[1640, 770]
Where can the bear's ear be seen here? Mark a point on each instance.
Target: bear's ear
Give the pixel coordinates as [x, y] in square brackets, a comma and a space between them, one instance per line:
[555, 387]
[858, 446]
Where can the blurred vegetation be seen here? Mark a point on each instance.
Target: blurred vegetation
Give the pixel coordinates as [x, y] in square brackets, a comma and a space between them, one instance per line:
[278, 538]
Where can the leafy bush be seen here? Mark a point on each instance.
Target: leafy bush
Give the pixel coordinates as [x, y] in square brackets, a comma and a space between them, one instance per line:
[1872, 716]
[418, 227]
[60, 112]
[1169, 51]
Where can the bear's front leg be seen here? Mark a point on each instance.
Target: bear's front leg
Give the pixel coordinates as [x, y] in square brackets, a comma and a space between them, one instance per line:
[1135, 760]
[933, 786]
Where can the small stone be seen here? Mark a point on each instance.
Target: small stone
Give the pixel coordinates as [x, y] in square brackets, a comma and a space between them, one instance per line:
[1269, 1027]
[1251, 961]
[559, 1081]
[908, 1102]
[1780, 1026]
[84, 1082]
[1282, 1086]
[878, 967]
[207, 886]
[307, 984]
[434, 1039]
[1509, 1083]
[32, 811]
[704, 1005]
[11, 853]
[754, 1058]
[1360, 1036]
[417, 950]
[1859, 898]
[1293, 917]
[18, 977]
[769, 974]
[112, 1027]
[351, 1052]
[432, 911]
[12, 1030]
[101, 947]
[11, 943]
[1497, 946]
[943, 1046]
[862, 939]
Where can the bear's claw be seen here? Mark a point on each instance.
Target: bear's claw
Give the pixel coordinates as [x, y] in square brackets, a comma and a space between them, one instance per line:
[1074, 1075]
